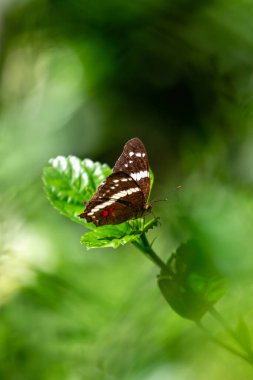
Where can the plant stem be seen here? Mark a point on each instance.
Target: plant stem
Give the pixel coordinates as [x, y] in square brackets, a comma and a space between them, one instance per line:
[145, 247]
[224, 345]
[217, 316]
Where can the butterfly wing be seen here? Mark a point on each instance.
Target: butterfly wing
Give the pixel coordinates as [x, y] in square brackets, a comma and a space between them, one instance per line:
[118, 198]
[134, 162]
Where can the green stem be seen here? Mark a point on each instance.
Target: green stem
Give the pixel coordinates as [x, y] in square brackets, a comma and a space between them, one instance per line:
[224, 345]
[145, 247]
[217, 316]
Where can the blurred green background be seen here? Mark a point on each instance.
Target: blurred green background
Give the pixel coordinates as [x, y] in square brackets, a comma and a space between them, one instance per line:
[82, 77]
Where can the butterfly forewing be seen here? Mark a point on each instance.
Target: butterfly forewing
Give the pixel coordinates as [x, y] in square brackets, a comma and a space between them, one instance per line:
[134, 162]
[124, 194]
[118, 199]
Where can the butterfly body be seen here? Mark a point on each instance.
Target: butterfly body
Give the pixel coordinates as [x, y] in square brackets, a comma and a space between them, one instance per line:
[124, 194]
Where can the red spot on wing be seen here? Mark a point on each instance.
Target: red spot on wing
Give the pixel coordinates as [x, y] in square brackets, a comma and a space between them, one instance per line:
[105, 213]
[108, 211]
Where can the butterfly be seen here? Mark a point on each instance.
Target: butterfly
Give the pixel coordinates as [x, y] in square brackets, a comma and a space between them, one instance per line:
[124, 194]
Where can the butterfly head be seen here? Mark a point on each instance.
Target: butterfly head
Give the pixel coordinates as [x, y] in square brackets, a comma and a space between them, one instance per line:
[148, 206]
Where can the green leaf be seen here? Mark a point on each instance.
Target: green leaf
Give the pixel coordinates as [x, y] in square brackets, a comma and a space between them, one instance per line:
[109, 236]
[116, 235]
[69, 182]
[192, 284]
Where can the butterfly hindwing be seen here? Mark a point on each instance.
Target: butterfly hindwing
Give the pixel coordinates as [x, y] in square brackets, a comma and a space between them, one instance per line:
[118, 198]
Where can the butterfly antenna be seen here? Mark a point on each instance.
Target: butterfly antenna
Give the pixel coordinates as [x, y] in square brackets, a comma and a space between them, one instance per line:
[159, 200]
[177, 188]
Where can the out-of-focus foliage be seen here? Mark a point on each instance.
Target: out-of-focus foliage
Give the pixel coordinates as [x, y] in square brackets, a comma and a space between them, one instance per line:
[193, 285]
[81, 78]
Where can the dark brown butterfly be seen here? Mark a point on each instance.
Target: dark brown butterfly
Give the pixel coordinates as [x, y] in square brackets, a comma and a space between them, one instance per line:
[124, 194]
